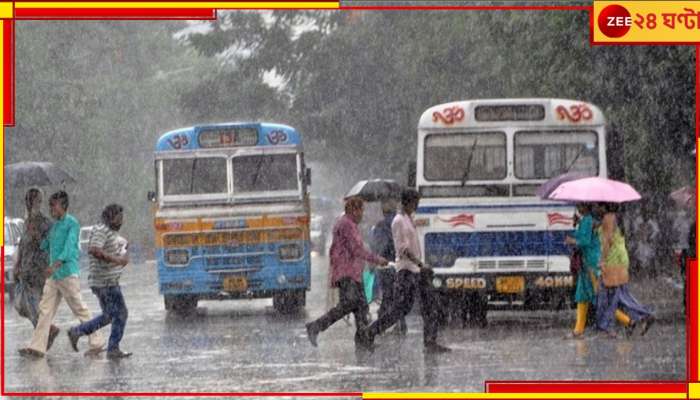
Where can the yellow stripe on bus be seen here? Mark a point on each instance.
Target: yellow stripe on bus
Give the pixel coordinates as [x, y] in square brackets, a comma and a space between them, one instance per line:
[231, 238]
[198, 225]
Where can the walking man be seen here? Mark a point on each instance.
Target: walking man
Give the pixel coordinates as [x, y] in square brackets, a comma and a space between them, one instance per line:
[347, 256]
[412, 277]
[63, 281]
[383, 244]
[107, 261]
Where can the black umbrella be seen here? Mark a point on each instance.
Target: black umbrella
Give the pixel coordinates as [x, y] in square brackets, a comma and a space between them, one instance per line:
[375, 190]
[35, 173]
[548, 187]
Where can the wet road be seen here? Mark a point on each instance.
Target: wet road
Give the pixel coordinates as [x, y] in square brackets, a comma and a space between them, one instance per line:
[245, 346]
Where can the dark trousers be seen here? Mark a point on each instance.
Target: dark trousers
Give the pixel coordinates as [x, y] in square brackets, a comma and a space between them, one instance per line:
[407, 286]
[387, 280]
[352, 300]
[114, 311]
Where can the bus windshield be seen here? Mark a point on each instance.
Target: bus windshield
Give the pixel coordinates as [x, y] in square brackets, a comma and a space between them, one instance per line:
[264, 173]
[465, 156]
[194, 176]
[545, 154]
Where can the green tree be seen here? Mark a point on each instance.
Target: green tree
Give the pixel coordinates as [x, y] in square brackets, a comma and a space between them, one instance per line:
[93, 98]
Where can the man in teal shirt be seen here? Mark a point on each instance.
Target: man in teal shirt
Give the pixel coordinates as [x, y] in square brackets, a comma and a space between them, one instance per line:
[63, 282]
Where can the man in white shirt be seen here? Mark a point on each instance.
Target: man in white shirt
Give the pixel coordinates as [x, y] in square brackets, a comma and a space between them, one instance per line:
[412, 276]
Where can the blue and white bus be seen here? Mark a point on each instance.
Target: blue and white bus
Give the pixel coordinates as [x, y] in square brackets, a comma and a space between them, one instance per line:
[488, 236]
[231, 215]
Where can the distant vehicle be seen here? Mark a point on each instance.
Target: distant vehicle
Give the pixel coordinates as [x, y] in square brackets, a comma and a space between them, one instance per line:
[318, 233]
[489, 238]
[231, 215]
[84, 239]
[323, 212]
[13, 233]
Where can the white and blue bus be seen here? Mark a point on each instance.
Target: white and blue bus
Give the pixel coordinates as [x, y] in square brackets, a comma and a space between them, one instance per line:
[492, 242]
[231, 215]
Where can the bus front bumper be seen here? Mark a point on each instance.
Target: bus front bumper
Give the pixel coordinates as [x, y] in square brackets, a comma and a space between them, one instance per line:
[507, 287]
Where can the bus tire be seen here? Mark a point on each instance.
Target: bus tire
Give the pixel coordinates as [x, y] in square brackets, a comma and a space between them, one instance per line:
[289, 302]
[181, 304]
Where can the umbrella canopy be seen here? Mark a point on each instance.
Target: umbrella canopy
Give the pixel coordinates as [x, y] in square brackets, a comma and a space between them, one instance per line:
[34, 173]
[375, 190]
[548, 187]
[595, 189]
[683, 197]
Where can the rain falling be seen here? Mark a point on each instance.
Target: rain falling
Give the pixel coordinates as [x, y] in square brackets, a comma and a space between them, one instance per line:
[233, 146]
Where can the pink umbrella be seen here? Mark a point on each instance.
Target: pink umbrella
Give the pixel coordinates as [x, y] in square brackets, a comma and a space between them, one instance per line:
[595, 189]
[683, 197]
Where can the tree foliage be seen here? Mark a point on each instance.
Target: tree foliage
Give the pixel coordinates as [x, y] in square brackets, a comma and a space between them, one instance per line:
[94, 96]
[358, 86]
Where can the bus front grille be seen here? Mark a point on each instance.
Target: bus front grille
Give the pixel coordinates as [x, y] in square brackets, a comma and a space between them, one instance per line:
[511, 264]
[536, 264]
[442, 249]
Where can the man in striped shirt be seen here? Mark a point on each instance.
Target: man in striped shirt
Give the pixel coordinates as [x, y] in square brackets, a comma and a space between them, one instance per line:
[107, 262]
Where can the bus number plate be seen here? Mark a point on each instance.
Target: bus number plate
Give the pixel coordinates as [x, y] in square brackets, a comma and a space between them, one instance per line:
[235, 284]
[510, 284]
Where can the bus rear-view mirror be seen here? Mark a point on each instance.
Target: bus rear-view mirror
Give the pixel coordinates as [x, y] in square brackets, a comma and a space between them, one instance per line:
[307, 176]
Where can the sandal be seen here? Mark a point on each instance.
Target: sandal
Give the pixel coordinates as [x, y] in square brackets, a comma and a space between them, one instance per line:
[574, 335]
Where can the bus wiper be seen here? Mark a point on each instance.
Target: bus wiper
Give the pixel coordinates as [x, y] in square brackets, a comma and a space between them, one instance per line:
[194, 164]
[469, 162]
[575, 159]
[257, 169]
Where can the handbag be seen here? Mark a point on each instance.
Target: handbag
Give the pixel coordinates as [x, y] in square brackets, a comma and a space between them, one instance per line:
[575, 261]
[614, 275]
[23, 302]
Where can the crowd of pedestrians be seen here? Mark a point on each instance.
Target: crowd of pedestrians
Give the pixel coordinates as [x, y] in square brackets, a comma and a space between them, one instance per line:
[394, 237]
[47, 271]
[602, 292]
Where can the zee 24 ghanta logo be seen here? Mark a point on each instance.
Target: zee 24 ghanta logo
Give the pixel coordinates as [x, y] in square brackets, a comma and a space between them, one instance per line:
[614, 21]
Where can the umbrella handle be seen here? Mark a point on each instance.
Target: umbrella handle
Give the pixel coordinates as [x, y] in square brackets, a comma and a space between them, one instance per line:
[390, 265]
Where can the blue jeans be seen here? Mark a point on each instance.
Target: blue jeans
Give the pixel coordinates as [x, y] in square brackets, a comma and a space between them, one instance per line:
[114, 311]
[612, 298]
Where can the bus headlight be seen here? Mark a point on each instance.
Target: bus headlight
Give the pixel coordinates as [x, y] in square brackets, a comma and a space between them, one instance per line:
[177, 257]
[437, 283]
[281, 279]
[289, 252]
